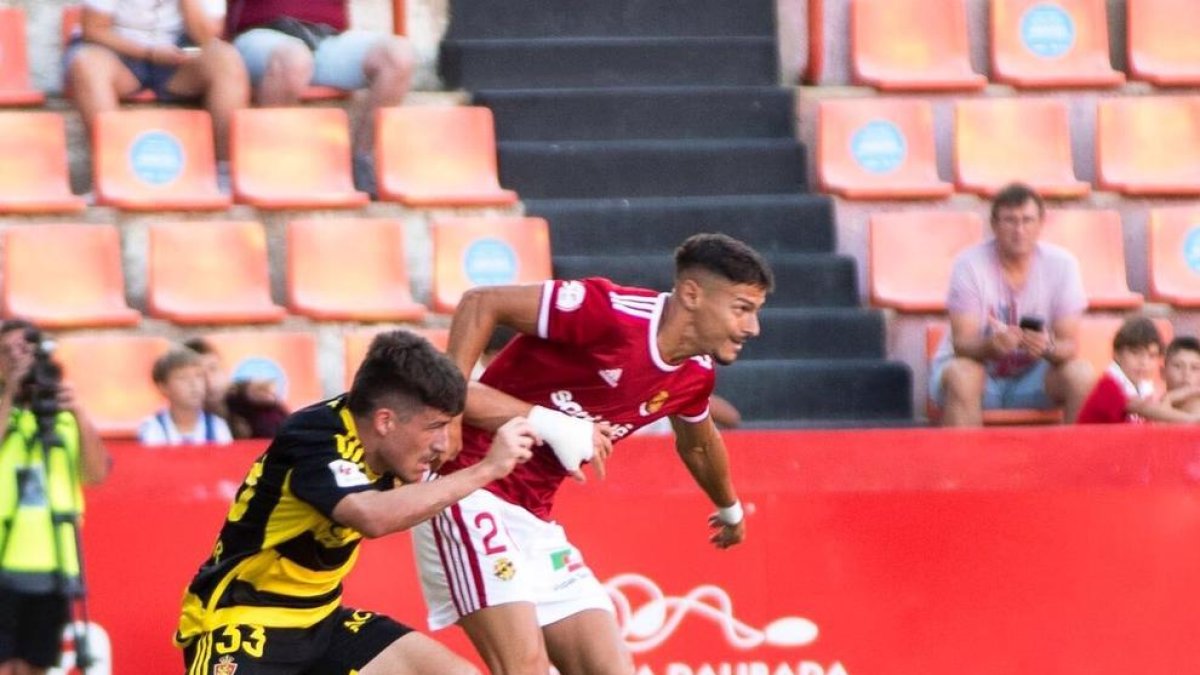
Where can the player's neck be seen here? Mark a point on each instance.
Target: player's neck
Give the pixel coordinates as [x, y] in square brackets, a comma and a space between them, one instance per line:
[676, 339]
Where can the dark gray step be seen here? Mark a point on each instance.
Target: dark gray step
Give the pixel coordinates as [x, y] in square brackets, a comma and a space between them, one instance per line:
[817, 333]
[546, 18]
[653, 168]
[818, 393]
[656, 112]
[801, 279]
[797, 223]
[608, 62]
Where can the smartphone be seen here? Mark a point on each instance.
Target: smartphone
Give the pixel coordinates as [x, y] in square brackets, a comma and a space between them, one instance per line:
[1033, 323]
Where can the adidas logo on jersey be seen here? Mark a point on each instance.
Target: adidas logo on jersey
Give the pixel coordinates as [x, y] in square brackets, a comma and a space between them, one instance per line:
[612, 376]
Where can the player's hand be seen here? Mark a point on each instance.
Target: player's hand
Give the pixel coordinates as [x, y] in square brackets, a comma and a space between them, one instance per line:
[453, 443]
[602, 448]
[512, 445]
[726, 535]
[1035, 342]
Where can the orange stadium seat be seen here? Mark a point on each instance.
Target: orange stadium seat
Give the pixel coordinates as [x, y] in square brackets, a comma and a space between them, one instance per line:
[156, 159]
[14, 63]
[1174, 245]
[33, 164]
[997, 141]
[911, 255]
[1149, 145]
[911, 45]
[1018, 416]
[65, 276]
[469, 252]
[438, 156]
[111, 377]
[292, 158]
[210, 272]
[349, 270]
[290, 359]
[1162, 43]
[1051, 44]
[878, 148]
[357, 342]
[1095, 237]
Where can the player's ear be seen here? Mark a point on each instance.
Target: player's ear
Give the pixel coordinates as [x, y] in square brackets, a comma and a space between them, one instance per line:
[689, 291]
[383, 420]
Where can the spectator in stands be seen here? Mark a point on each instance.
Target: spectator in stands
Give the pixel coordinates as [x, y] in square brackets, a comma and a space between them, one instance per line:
[1181, 374]
[1014, 306]
[289, 44]
[1125, 392]
[170, 47]
[216, 381]
[179, 375]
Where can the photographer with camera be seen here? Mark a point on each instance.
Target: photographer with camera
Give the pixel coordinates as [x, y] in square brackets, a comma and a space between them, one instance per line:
[49, 449]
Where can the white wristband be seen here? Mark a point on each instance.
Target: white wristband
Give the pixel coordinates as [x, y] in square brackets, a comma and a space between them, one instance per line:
[569, 437]
[731, 515]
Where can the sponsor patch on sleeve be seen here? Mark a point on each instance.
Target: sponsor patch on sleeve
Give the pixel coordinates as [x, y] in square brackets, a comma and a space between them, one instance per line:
[347, 474]
[570, 296]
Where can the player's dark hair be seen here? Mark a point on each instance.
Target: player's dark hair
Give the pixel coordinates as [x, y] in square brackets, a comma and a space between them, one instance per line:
[1137, 332]
[1014, 196]
[1183, 343]
[726, 257]
[403, 365]
[200, 346]
[174, 359]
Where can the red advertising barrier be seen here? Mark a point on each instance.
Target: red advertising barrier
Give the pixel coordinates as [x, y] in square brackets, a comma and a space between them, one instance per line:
[1065, 550]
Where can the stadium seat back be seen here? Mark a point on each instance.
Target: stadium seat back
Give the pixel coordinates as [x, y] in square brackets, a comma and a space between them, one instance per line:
[999, 141]
[1162, 45]
[111, 377]
[357, 342]
[911, 45]
[878, 148]
[1149, 145]
[471, 252]
[14, 62]
[156, 159]
[438, 156]
[65, 276]
[287, 358]
[349, 270]
[1174, 244]
[1096, 240]
[911, 255]
[1063, 43]
[210, 272]
[292, 158]
[33, 164]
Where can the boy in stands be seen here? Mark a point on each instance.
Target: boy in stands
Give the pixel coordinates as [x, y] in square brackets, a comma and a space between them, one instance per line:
[1125, 392]
[1181, 374]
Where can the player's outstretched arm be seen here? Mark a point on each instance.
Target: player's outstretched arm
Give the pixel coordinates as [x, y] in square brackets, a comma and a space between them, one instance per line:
[376, 513]
[703, 452]
[479, 312]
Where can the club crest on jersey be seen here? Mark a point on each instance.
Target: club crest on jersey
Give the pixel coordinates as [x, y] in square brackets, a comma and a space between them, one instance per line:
[570, 296]
[654, 404]
[612, 376]
[504, 569]
[225, 666]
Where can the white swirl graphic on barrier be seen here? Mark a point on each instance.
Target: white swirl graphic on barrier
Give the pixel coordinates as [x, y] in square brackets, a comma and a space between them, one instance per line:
[649, 625]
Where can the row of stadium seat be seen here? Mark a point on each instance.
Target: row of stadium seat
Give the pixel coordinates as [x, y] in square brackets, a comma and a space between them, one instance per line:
[915, 45]
[884, 148]
[111, 373]
[910, 255]
[71, 276]
[281, 158]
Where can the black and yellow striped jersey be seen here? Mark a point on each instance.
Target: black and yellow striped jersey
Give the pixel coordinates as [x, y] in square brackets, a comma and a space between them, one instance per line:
[280, 558]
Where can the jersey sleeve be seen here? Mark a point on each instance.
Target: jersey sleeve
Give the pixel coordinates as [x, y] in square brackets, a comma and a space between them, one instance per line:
[1105, 405]
[575, 312]
[321, 477]
[698, 407]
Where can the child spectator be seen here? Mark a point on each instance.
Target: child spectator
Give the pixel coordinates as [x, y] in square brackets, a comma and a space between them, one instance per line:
[1125, 392]
[216, 381]
[1181, 373]
[179, 375]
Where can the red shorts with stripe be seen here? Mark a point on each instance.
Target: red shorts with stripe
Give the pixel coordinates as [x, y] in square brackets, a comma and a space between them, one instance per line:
[484, 551]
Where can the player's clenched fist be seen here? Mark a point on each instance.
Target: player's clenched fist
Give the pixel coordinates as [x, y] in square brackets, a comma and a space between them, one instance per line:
[512, 444]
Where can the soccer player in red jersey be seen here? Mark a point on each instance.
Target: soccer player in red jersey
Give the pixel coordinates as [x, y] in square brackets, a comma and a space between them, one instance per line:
[592, 363]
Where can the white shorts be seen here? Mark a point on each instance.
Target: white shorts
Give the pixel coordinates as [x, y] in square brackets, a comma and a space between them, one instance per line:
[484, 551]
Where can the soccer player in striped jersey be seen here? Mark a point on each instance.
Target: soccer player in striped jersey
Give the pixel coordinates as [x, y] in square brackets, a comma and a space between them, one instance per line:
[592, 363]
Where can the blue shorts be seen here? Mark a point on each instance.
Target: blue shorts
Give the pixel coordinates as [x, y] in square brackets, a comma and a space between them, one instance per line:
[337, 63]
[149, 75]
[1023, 391]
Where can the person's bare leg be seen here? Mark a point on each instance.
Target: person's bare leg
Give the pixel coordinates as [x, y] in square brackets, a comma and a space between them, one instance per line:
[289, 71]
[963, 381]
[588, 643]
[1068, 384]
[416, 654]
[388, 67]
[508, 639]
[218, 75]
[98, 80]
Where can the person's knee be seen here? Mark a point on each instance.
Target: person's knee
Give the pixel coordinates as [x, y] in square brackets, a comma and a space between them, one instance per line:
[223, 61]
[392, 58]
[963, 379]
[89, 69]
[289, 67]
[1078, 375]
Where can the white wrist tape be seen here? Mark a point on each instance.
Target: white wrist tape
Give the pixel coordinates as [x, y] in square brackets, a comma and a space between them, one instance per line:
[731, 515]
[569, 437]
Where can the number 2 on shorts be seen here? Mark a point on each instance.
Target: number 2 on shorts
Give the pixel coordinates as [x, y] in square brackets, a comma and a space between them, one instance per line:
[489, 547]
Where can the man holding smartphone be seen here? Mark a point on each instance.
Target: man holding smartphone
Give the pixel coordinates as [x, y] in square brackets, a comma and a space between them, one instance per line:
[1015, 305]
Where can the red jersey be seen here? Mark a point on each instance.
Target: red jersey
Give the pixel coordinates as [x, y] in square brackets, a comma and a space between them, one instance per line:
[595, 356]
[1109, 401]
[242, 15]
